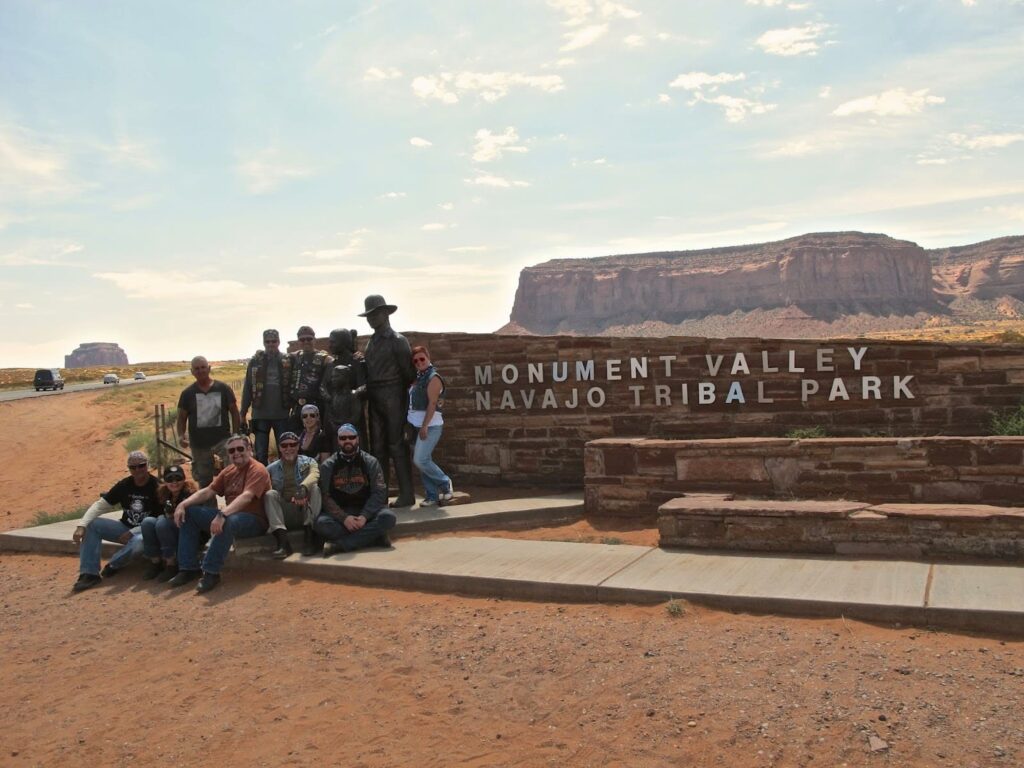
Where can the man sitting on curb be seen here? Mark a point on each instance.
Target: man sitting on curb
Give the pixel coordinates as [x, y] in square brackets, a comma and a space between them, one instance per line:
[355, 498]
[137, 496]
[243, 485]
[294, 500]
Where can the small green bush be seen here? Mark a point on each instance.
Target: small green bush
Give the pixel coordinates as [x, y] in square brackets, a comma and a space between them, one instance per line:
[611, 540]
[1010, 423]
[806, 433]
[674, 608]
[45, 518]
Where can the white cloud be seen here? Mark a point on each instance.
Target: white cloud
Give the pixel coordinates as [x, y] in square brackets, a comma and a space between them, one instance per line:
[135, 154]
[268, 168]
[353, 246]
[30, 167]
[376, 74]
[490, 146]
[166, 284]
[491, 86]
[825, 91]
[489, 180]
[635, 41]
[986, 141]
[416, 141]
[469, 249]
[664, 98]
[580, 12]
[446, 206]
[434, 226]
[736, 108]
[42, 253]
[694, 81]
[392, 196]
[765, 3]
[24, 305]
[1013, 212]
[792, 41]
[894, 102]
[583, 37]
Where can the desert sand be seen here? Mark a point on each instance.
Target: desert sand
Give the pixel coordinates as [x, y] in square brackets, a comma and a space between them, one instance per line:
[270, 671]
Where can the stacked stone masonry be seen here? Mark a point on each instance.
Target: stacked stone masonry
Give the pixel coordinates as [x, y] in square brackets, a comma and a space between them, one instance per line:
[509, 421]
[843, 528]
[633, 478]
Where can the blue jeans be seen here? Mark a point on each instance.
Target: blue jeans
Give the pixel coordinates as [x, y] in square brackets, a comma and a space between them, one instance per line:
[241, 525]
[104, 529]
[332, 529]
[160, 537]
[434, 480]
[261, 435]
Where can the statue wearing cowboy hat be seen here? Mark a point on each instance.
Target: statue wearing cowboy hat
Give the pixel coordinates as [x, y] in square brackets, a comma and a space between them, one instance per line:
[389, 372]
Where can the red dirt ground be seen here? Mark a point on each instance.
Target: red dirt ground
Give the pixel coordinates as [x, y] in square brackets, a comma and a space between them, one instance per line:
[271, 671]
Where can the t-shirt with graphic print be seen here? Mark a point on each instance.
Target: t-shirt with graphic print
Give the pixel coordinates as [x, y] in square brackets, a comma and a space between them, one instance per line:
[209, 413]
[137, 501]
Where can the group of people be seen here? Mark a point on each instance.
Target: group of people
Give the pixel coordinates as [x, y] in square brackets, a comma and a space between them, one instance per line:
[322, 482]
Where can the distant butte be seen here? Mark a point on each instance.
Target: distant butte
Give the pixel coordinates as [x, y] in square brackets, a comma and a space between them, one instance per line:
[93, 353]
[829, 283]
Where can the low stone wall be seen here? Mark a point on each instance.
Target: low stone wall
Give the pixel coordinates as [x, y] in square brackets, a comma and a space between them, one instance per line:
[844, 528]
[633, 477]
[519, 409]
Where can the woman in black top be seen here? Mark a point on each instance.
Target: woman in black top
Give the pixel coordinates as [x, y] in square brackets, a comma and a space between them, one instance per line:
[313, 441]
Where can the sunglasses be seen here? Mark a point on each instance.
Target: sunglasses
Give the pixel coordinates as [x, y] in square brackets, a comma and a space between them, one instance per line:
[288, 445]
[310, 416]
[237, 449]
[419, 359]
[170, 480]
[137, 466]
[347, 438]
[307, 338]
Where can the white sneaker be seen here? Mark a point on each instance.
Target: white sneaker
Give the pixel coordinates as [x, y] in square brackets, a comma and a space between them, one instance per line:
[449, 494]
[428, 503]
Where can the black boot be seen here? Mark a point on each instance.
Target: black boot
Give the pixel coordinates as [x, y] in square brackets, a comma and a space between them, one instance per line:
[284, 546]
[312, 544]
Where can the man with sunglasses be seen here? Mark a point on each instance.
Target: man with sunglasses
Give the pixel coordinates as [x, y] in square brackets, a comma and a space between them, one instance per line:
[308, 365]
[136, 495]
[243, 484]
[355, 498]
[293, 502]
[267, 391]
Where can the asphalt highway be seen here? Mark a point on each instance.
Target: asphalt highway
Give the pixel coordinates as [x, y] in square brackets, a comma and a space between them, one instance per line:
[18, 394]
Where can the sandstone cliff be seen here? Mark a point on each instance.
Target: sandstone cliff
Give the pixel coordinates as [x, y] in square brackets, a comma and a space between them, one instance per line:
[94, 353]
[987, 270]
[823, 276]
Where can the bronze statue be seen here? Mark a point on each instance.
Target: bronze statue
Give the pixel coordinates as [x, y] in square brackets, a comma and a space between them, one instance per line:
[344, 386]
[389, 371]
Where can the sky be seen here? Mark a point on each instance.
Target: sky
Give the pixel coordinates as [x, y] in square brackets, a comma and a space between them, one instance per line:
[176, 177]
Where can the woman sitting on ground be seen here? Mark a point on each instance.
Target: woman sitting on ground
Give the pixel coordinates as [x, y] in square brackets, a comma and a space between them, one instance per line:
[161, 532]
[313, 441]
[425, 401]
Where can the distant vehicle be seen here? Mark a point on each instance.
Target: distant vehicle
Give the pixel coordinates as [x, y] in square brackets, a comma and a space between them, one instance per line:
[48, 378]
[139, 376]
[111, 378]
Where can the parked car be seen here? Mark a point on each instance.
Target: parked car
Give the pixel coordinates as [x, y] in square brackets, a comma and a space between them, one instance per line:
[48, 378]
[139, 376]
[111, 378]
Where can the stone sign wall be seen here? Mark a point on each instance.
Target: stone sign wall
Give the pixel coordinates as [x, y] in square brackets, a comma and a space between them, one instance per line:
[519, 409]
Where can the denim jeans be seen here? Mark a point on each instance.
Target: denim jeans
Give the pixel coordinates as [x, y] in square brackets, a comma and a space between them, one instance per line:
[241, 525]
[261, 435]
[434, 480]
[160, 537]
[104, 529]
[335, 531]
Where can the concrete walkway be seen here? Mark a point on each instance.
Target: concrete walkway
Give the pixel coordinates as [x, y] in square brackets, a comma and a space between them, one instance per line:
[987, 597]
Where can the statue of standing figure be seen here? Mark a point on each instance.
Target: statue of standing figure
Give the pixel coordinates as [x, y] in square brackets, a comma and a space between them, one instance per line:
[344, 386]
[389, 372]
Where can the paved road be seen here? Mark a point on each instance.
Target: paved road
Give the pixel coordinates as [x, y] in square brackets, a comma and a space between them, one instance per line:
[18, 394]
